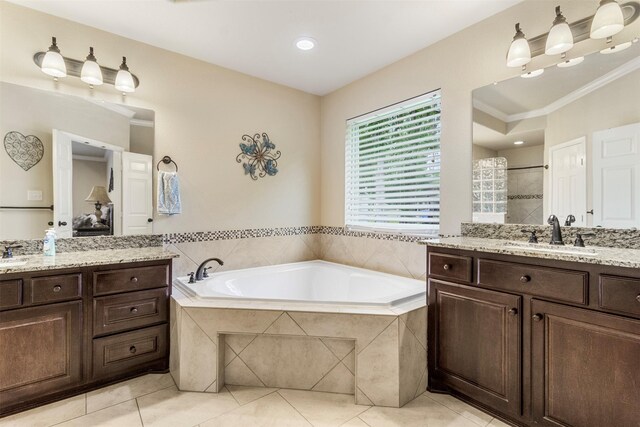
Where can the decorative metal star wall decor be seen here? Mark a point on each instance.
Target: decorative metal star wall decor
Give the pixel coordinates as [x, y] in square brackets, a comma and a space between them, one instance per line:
[259, 158]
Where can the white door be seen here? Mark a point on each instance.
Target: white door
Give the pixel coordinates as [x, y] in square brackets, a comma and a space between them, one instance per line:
[137, 193]
[62, 184]
[616, 177]
[568, 180]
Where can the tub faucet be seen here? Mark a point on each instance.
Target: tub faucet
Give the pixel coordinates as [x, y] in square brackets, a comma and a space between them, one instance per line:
[201, 268]
[556, 233]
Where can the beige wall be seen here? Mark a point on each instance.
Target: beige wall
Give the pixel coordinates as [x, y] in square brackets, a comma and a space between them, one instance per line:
[479, 152]
[458, 64]
[523, 156]
[201, 112]
[616, 104]
[86, 174]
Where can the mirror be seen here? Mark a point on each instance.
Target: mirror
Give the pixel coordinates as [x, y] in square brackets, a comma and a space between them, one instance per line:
[569, 140]
[89, 159]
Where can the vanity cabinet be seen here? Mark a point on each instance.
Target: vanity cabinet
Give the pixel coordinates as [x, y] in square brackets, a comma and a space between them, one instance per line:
[537, 342]
[63, 332]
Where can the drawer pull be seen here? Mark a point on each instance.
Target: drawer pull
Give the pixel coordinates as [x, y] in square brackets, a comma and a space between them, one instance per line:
[447, 267]
[57, 288]
[537, 317]
[134, 310]
[132, 349]
[525, 279]
[513, 312]
[638, 297]
[134, 279]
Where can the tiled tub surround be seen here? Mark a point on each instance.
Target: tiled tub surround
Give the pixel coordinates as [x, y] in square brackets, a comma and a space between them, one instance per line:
[604, 237]
[524, 204]
[381, 358]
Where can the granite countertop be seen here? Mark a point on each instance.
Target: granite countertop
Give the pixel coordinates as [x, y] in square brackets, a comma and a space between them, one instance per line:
[629, 258]
[87, 258]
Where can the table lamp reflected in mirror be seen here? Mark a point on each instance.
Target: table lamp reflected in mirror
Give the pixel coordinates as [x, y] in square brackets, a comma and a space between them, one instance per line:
[99, 196]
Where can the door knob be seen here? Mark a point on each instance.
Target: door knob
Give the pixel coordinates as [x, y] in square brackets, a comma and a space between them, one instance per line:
[62, 223]
[513, 311]
[149, 219]
[537, 317]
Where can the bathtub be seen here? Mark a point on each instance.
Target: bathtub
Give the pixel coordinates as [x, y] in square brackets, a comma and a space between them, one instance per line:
[315, 282]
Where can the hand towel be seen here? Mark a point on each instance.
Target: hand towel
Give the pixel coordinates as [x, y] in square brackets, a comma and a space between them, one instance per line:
[169, 193]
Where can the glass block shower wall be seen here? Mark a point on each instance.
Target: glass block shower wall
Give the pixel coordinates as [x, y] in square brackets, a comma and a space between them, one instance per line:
[490, 185]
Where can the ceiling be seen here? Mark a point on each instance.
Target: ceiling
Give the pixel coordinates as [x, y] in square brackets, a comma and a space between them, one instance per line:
[256, 37]
[494, 140]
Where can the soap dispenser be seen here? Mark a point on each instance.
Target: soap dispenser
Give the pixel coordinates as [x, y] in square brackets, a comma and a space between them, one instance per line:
[49, 246]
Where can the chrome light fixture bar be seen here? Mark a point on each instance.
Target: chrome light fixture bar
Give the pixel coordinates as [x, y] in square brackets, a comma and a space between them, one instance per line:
[109, 75]
[581, 29]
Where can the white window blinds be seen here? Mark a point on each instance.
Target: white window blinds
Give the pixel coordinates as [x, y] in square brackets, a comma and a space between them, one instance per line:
[393, 168]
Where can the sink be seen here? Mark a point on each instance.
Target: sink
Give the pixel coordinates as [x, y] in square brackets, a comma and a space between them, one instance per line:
[542, 247]
[11, 262]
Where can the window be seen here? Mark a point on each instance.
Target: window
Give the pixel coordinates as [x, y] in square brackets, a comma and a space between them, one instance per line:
[393, 168]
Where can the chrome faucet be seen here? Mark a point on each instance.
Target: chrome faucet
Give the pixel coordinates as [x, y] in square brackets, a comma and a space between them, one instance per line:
[201, 272]
[556, 233]
[8, 251]
[570, 220]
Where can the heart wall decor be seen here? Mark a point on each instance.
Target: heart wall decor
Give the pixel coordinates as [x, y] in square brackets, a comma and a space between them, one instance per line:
[26, 151]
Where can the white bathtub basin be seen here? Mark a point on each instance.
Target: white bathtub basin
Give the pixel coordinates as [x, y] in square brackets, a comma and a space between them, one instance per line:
[317, 282]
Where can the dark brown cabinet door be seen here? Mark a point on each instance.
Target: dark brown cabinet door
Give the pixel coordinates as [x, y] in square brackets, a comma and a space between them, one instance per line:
[41, 351]
[476, 333]
[585, 367]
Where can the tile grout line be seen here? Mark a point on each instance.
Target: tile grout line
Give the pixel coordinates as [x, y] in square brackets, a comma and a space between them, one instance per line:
[249, 368]
[459, 413]
[376, 337]
[139, 413]
[294, 408]
[409, 329]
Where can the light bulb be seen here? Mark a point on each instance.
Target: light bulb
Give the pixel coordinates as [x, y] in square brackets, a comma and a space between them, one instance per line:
[53, 63]
[560, 38]
[519, 52]
[91, 72]
[124, 79]
[607, 21]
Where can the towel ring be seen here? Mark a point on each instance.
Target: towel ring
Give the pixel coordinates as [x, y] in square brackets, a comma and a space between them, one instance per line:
[166, 160]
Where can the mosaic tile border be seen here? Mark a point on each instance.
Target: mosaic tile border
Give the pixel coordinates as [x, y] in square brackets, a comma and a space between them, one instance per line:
[525, 197]
[248, 233]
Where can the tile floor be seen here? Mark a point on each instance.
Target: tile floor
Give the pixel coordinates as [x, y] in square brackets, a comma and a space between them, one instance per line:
[153, 400]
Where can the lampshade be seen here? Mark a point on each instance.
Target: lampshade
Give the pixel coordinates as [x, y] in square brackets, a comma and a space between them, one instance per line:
[519, 52]
[53, 63]
[124, 79]
[607, 21]
[98, 194]
[91, 72]
[560, 38]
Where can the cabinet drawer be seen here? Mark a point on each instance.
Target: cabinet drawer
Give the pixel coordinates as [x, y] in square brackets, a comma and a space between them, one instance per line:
[555, 283]
[451, 267]
[118, 313]
[56, 288]
[130, 279]
[620, 294]
[10, 294]
[125, 352]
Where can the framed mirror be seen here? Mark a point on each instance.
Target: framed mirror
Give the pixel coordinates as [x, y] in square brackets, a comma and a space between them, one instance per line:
[570, 140]
[80, 165]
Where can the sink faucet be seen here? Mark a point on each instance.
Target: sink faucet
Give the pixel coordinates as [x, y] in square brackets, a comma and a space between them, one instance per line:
[8, 251]
[570, 220]
[556, 233]
[200, 272]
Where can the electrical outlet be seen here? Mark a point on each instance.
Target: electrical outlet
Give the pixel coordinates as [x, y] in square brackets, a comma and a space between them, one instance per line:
[34, 195]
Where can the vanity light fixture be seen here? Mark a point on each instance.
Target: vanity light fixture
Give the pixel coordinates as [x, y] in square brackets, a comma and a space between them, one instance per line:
[124, 80]
[617, 48]
[560, 38]
[305, 43]
[607, 21]
[91, 72]
[531, 74]
[519, 52]
[571, 62]
[53, 63]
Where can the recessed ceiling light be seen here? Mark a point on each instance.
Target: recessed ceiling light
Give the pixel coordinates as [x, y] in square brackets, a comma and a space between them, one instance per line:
[617, 48]
[305, 43]
[531, 74]
[518, 143]
[571, 62]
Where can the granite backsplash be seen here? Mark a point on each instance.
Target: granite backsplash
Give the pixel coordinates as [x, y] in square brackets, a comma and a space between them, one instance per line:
[78, 244]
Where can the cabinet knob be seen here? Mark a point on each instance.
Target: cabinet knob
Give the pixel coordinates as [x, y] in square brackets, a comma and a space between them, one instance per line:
[638, 297]
[537, 317]
[513, 311]
[134, 310]
[57, 288]
[134, 279]
[447, 266]
[132, 349]
[525, 279]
